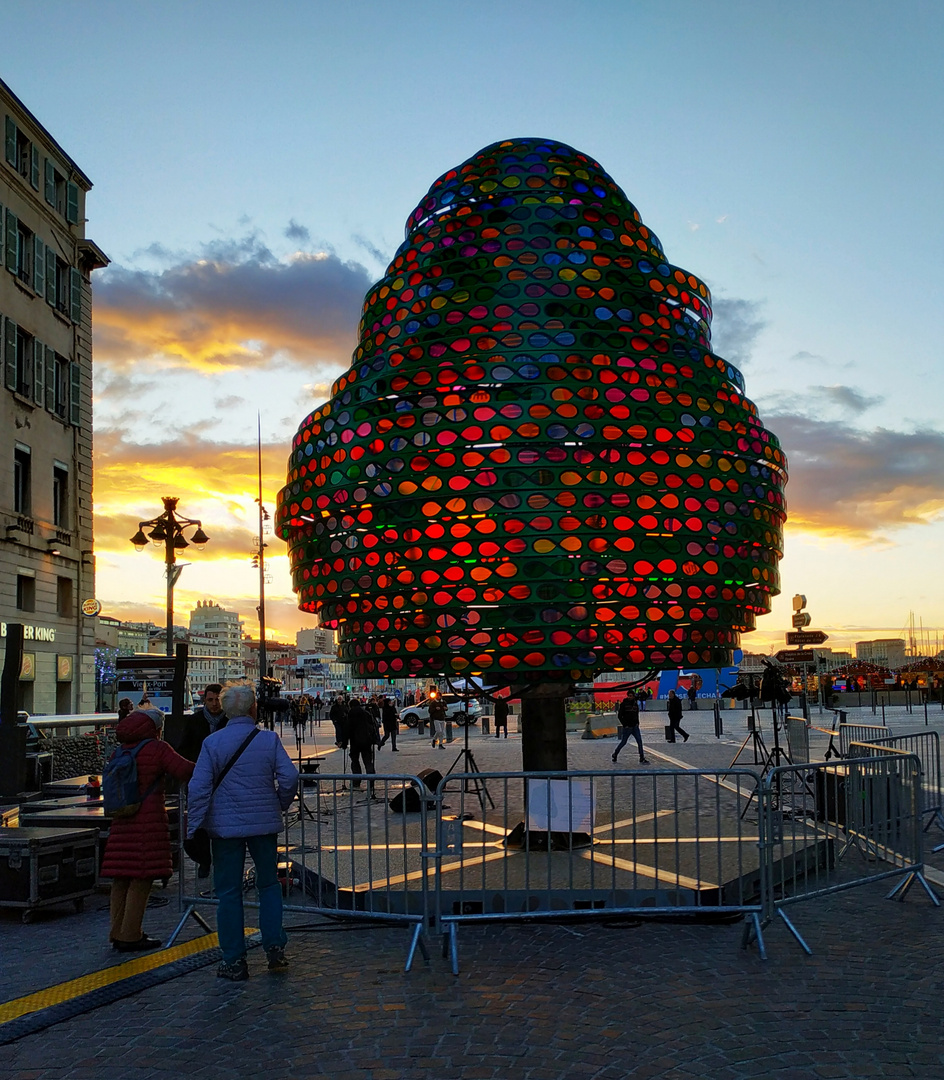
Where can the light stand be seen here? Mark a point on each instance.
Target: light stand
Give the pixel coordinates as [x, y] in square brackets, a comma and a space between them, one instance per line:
[467, 758]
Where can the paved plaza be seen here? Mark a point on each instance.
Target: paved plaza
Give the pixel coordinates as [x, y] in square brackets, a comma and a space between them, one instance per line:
[627, 998]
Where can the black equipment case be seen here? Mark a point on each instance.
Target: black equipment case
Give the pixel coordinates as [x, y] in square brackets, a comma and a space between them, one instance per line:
[39, 867]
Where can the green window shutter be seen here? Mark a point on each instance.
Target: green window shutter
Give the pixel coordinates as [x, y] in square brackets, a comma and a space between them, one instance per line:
[39, 266]
[50, 277]
[9, 354]
[26, 370]
[50, 191]
[50, 379]
[75, 394]
[75, 295]
[39, 373]
[34, 167]
[72, 203]
[12, 226]
[10, 141]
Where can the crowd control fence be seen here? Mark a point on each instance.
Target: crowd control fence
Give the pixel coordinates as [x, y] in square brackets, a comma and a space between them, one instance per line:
[798, 738]
[861, 733]
[346, 851]
[431, 854]
[832, 826]
[528, 846]
[926, 746]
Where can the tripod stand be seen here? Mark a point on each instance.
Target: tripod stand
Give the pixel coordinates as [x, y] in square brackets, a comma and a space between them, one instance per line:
[766, 759]
[467, 758]
[303, 809]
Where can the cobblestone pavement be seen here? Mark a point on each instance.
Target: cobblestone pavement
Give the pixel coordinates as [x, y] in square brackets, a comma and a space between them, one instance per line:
[532, 1002]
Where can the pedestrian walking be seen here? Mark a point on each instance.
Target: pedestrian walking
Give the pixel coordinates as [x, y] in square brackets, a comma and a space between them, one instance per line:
[242, 784]
[628, 718]
[675, 717]
[437, 714]
[692, 696]
[501, 716]
[391, 723]
[138, 847]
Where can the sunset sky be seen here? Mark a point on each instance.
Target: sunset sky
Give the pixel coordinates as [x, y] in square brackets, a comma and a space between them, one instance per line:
[254, 166]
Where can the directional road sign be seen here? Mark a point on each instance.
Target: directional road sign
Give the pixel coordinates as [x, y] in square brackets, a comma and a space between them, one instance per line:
[806, 637]
[796, 656]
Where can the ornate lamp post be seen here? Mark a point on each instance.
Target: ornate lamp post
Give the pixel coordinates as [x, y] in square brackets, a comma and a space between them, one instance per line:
[168, 529]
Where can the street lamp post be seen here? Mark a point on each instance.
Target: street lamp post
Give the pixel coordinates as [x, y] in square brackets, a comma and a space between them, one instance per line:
[169, 530]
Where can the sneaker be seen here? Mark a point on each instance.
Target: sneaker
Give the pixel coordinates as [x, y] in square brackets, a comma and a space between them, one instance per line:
[614, 759]
[276, 958]
[644, 761]
[237, 971]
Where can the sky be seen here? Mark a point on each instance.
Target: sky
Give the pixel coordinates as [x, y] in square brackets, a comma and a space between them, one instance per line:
[254, 165]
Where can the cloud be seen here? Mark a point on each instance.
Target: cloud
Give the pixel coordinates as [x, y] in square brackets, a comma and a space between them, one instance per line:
[216, 482]
[735, 327]
[232, 304]
[854, 484]
[297, 232]
[815, 400]
[372, 250]
[231, 401]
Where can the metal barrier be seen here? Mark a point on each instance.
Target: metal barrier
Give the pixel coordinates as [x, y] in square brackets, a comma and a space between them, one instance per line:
[798, 739]
[344, 852]
[862, 733]
[926, 746]
[816, 815]
[529, 846]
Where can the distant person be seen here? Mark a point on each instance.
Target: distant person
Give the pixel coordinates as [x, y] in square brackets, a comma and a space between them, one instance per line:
[642, 697]
[125, 706]
[362, 737]
[391, 723]
[203, 721]
[692, 696]
[137, 850]
[437, 715]
[675, 717]
[337, 714]
[501, 716]
[627, 716]
[244, 812]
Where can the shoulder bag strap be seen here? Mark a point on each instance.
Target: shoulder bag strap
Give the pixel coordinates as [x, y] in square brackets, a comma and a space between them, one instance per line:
[232, 761]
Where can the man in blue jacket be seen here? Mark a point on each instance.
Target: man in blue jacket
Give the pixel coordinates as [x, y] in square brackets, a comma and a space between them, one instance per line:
[242, 784]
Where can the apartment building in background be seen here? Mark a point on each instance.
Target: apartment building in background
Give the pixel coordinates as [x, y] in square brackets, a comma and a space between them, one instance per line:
[47, 563]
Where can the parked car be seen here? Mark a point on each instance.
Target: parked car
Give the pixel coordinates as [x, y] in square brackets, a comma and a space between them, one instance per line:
[460, 711]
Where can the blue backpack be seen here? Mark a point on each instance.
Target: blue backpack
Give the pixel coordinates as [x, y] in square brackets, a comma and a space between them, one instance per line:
[121, 793]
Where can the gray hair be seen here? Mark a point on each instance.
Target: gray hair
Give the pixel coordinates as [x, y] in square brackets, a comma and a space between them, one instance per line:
[237, 698]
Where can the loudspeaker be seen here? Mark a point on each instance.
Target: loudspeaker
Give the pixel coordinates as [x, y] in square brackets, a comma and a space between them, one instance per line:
[409, 801]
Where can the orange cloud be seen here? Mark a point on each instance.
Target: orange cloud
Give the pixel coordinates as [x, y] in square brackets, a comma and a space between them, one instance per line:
[233, 306]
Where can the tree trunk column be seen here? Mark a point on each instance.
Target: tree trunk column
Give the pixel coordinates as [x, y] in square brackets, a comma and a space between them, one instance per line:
[544, 728]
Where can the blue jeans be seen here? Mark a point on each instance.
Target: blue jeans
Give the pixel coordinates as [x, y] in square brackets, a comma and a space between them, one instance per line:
[624, 739]
[229, 857]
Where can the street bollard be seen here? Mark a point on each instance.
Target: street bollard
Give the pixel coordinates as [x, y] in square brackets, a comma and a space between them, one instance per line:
[448, 730]
[719, 726]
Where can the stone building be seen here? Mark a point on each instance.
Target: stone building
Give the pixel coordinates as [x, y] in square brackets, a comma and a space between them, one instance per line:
[216, 634]
[47, 566]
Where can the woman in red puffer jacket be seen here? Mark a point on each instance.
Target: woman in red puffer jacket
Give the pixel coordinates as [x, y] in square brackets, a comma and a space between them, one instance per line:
[138, 848]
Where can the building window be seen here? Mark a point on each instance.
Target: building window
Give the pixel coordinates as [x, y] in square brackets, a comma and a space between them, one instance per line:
[21, 153]
[60, 497]
[22, 481]
[61, 194]
[19, 359]
[64, 594]
[25, 593]
[59, 392]
[25, 250]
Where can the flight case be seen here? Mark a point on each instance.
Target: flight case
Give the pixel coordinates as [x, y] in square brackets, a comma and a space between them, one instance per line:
[39, 867]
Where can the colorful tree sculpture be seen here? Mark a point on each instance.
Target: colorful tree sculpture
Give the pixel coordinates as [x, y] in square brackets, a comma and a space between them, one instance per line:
[535, 468]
